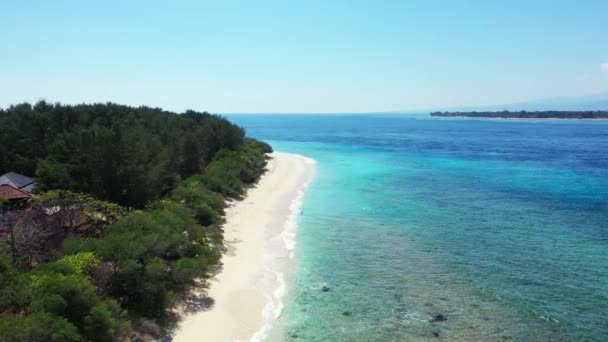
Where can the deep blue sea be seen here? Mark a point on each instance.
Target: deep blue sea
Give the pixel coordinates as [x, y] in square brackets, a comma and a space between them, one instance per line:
[499, 226]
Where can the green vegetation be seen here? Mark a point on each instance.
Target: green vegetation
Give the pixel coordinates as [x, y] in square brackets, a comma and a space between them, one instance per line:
[82, 268]
[150, 257]
[58, 302]
[549, 114]
[116, 153]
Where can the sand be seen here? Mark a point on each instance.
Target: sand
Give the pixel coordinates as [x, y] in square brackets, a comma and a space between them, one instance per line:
[247, 293]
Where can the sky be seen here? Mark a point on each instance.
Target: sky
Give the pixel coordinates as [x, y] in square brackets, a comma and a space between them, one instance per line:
[301, 56]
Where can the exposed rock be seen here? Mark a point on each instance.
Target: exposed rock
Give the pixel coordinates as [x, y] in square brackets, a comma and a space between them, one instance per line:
[293, 334]
[438, 318]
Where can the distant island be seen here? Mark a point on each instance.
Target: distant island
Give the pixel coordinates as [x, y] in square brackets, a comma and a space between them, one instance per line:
[549, 114]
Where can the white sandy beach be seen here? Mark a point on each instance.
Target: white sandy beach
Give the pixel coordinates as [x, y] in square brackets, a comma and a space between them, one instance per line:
[259, 233]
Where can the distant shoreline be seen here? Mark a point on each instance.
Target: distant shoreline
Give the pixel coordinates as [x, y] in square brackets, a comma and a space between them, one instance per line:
[525, 115]
[522, 119]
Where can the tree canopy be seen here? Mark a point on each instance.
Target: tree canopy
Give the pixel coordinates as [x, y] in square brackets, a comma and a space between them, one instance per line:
[127, 220]
[114, 152]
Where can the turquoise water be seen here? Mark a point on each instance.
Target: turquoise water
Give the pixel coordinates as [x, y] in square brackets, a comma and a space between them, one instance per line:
[499, 226]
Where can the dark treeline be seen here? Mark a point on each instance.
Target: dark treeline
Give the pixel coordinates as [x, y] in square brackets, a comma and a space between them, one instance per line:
[80, 268]
[549, 114]
[116, 153]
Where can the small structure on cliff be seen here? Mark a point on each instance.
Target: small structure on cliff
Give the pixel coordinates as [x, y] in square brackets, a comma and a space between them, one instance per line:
[12, 194]
[18, 181]
[15, 195]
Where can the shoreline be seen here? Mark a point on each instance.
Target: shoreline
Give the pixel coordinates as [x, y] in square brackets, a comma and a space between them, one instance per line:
[522, 119]
[260, 231]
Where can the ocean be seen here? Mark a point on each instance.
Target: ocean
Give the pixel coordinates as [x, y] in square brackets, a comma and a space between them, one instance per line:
[427, 229]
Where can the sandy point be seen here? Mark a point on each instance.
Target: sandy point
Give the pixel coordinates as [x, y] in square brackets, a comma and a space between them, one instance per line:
[246, 295]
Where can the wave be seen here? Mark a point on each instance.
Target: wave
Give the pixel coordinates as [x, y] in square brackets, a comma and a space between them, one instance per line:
[279, 258]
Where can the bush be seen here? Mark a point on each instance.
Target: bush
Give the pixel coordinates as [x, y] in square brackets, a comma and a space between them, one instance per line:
[15, 292]
[147, 249]
[62, 305]
[60, 290]
[39, 326]
[207, 206]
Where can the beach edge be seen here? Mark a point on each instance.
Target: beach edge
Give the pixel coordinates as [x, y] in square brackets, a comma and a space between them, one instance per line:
[260, 232]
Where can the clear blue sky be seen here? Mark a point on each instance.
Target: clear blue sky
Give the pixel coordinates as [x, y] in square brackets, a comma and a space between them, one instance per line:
[302, 56]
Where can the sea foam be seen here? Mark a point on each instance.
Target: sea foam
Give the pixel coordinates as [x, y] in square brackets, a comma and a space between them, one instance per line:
[279, 257]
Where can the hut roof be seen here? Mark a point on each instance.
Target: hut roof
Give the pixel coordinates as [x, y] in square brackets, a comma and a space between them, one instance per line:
[16, 180]
[10, 193]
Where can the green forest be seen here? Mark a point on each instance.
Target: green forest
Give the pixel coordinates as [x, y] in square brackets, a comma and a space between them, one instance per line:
[127, 216]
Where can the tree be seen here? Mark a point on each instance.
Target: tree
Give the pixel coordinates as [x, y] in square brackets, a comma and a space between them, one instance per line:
[117, 153]
[84, 261]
